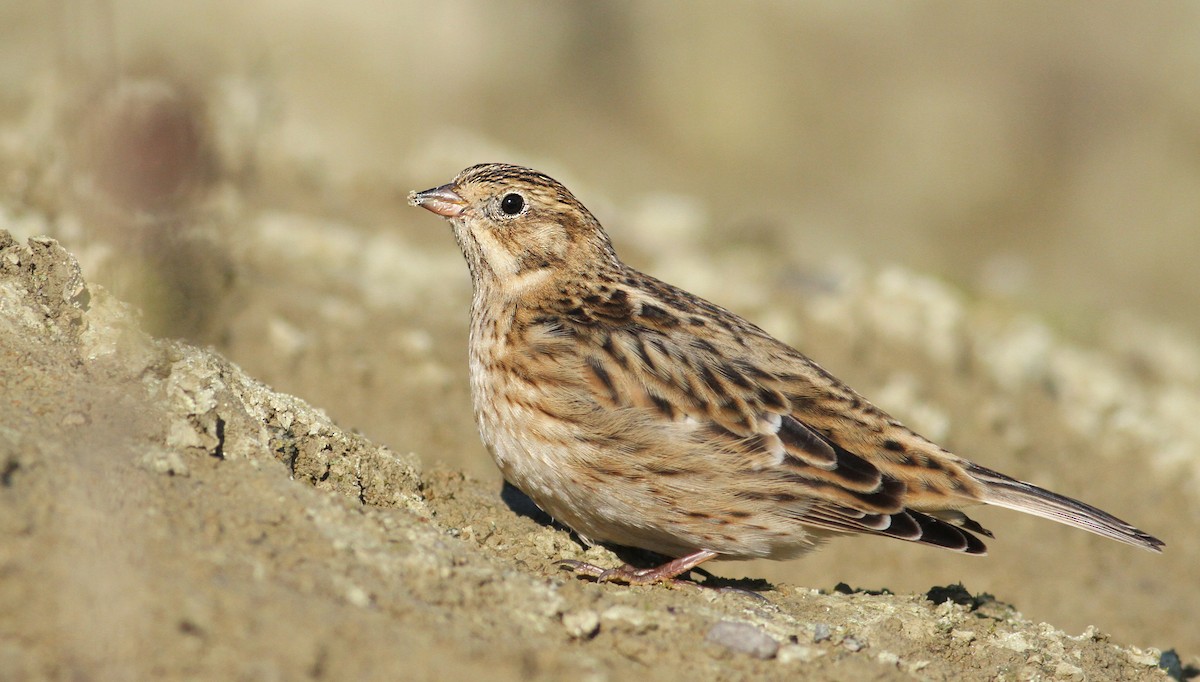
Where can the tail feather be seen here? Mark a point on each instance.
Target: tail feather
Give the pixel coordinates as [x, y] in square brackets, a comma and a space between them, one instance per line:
[1002, 491]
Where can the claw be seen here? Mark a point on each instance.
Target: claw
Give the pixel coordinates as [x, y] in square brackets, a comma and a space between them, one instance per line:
[582, 568]
[667, 573]
[630, 575]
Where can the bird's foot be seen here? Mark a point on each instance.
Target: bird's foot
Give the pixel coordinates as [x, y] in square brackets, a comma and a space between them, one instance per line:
[626, 575]
[667, 573]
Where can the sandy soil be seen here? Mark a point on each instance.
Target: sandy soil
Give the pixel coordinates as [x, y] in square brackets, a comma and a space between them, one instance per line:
[167, 516]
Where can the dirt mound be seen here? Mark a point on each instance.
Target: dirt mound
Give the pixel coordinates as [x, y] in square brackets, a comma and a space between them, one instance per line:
[164, 515]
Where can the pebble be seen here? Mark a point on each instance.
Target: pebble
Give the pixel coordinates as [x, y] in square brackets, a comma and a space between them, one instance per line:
[581, 624]
[798, 653]
[854, 644]
[743, 638]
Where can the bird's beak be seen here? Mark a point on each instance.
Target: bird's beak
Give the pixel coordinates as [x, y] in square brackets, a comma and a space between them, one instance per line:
[443, 201]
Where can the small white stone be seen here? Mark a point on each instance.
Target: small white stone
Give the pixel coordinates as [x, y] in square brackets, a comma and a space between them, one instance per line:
[1012, 640]
[74, 419]
[358, 596]
[798, 653]
[168, 462]
[1146, 657]
[581, 624]
[963, 635]
[1066, 671]
[854, 644]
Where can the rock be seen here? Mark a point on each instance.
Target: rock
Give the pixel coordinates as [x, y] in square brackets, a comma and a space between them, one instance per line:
[743, 638]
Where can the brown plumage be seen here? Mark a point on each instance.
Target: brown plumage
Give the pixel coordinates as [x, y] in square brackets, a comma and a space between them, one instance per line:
[641, 415]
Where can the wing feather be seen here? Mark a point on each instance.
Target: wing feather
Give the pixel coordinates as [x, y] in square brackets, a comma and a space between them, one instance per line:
[789, 430]
[741, 410]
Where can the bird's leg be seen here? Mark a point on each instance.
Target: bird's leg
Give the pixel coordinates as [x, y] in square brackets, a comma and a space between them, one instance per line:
[667, 573]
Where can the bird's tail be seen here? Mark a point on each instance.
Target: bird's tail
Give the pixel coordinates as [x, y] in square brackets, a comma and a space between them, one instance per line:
[1010, 493]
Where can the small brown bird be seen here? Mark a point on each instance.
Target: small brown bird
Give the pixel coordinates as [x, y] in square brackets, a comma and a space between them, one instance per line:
[641, 415]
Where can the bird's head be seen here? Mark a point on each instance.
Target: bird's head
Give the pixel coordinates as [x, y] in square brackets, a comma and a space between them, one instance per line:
[516, 225]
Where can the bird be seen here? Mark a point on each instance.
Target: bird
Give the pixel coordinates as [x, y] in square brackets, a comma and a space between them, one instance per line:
[640, 415]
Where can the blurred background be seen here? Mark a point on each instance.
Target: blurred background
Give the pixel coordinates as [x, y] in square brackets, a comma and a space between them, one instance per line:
[1047, 151]
[238, 170]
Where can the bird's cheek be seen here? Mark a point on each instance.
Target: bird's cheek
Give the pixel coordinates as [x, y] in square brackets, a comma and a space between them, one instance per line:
[497, 252]
[550, 241]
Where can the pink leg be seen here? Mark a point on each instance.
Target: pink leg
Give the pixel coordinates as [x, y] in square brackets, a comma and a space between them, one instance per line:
[667, 573]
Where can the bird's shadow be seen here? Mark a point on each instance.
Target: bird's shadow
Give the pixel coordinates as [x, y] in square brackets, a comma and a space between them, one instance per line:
[521, 505]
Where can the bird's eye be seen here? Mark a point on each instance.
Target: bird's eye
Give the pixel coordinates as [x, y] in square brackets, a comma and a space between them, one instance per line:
[512, 204]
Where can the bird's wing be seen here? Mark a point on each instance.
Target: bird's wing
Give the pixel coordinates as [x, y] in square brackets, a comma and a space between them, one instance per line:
[638, 356]
[817, 447]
